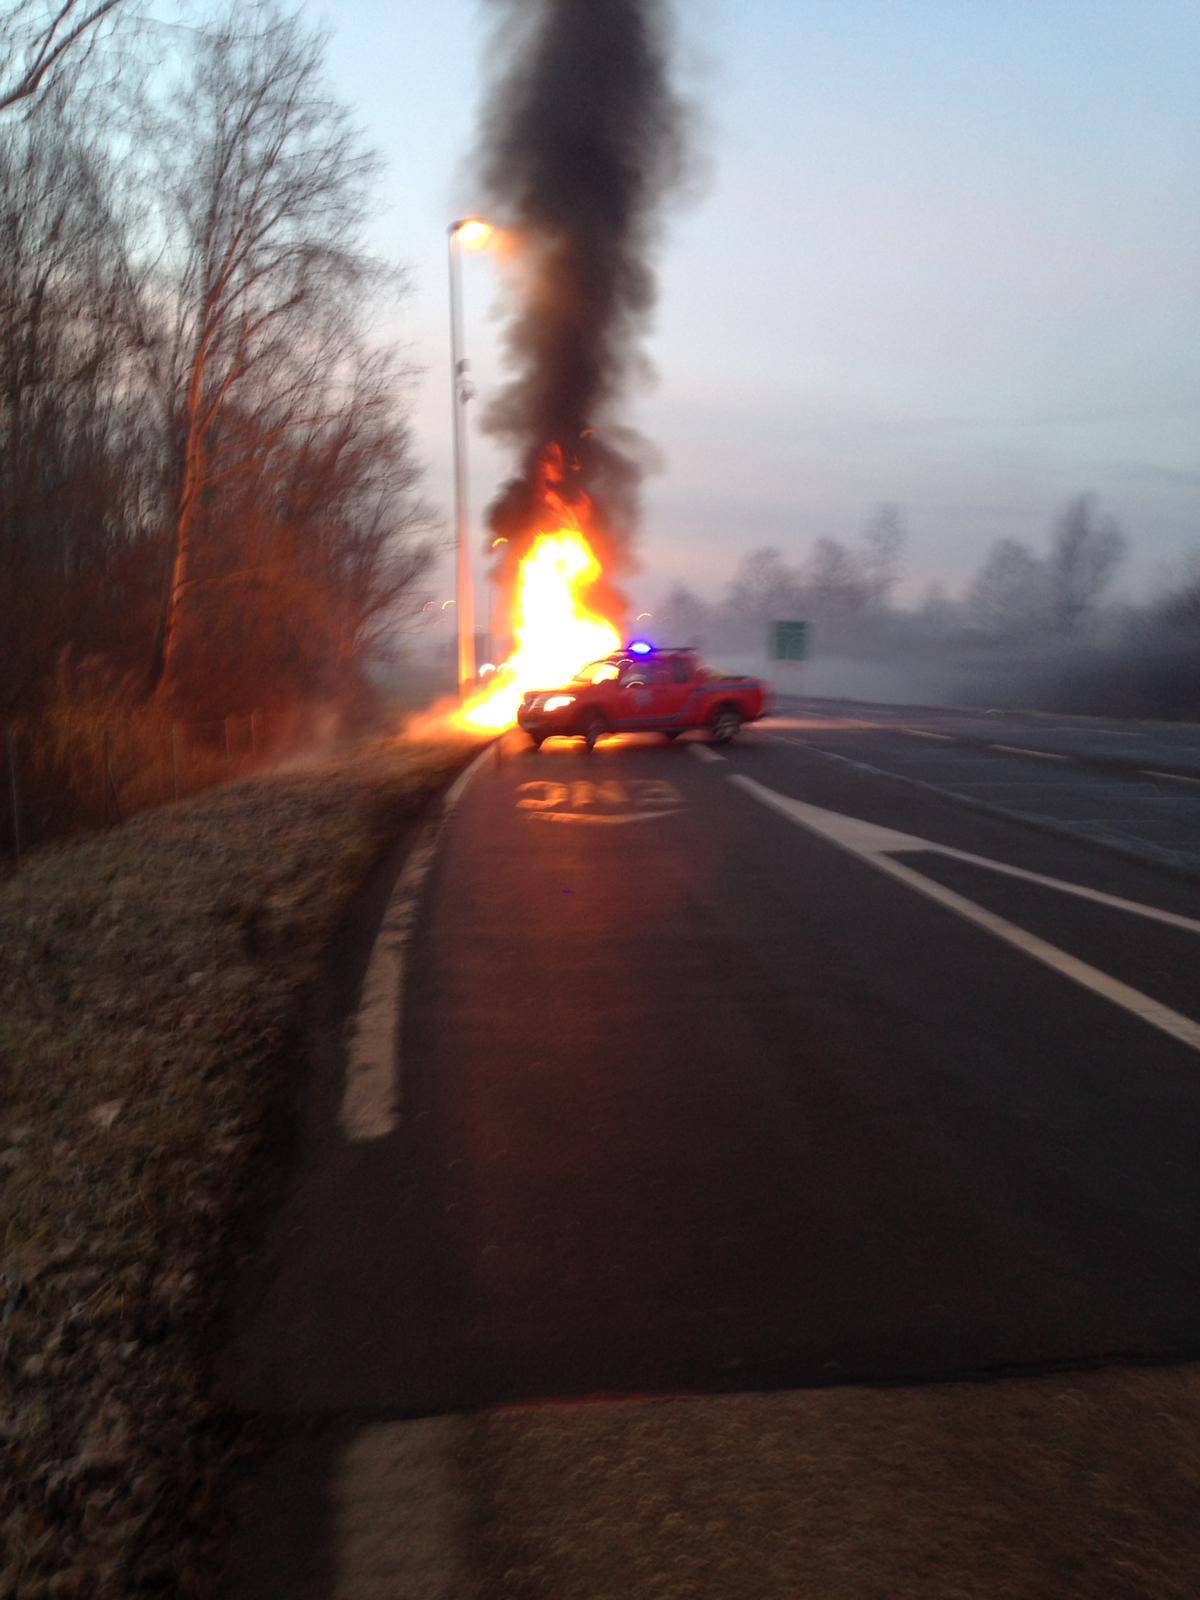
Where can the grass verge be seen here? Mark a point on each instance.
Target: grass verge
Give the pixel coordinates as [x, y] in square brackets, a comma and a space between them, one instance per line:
[148, 981]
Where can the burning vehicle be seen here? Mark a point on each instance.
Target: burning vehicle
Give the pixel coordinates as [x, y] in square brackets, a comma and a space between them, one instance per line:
[643, 689]
[582, 142]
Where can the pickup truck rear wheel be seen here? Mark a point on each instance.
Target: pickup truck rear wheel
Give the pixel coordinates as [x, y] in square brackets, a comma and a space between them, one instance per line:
[725, 725]
[593, 729]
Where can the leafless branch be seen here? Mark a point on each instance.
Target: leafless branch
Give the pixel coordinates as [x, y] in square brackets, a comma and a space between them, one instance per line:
[36, 55]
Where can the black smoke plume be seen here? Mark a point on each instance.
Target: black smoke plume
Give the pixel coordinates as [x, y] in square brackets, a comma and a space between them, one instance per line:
[583, 140]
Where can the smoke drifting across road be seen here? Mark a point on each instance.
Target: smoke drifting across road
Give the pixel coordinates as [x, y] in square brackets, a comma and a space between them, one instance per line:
[583, 140]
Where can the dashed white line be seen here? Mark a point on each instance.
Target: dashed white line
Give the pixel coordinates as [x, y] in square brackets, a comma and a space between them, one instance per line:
[702, 752]
[1020, 750]
[1171, 777]
[924, 733]
[876, 846]
[372, 1086]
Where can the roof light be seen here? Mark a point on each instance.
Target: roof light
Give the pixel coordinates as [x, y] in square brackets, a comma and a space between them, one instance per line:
[640, 647]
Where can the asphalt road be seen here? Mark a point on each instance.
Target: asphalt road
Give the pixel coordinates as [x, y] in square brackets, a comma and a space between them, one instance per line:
[698, 1087]
[1134, 787]
[1155, 746]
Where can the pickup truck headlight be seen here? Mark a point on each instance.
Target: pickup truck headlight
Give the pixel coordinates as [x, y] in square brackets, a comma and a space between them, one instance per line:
[558, 702]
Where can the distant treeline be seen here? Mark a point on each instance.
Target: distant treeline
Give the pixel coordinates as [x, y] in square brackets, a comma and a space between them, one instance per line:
[208, 500]
[1035, 628]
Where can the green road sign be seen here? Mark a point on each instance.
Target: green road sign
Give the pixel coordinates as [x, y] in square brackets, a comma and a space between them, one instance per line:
[788, 641]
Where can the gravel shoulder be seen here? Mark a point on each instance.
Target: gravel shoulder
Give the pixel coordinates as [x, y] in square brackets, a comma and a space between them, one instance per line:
[150, 981]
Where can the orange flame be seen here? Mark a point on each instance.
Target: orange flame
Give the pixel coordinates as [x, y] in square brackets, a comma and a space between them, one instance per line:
[554, 629]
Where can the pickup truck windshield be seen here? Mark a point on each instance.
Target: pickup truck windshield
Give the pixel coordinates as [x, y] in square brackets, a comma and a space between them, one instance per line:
[597, 672]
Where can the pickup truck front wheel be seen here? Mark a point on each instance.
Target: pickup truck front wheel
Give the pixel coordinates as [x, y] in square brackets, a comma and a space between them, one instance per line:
[594, 729]
[725, 725]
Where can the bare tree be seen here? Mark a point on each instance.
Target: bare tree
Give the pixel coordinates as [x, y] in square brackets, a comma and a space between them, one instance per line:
[835, 579]
[764, 590]
[882, 550]
[683, 617]
[936, 609]
[1085, 551]
[36, 39]
[1179, 605]
[325, 539]
[73, 446]
[267, 180]
[1010, 592]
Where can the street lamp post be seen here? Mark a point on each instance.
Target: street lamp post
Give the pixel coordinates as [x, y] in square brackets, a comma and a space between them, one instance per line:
[472, 232]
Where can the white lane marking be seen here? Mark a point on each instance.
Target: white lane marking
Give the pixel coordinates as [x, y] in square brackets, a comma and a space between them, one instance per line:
[458, 788]
[1020, 750]
[603, 818]
[1171, 777]
[876, 845]
[924, 733]
[827, 724]
[371, 1091]
[1137, 908]
[702, 752]
[1063, 827]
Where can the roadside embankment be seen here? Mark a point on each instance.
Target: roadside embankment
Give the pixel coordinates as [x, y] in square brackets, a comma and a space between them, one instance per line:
[151, 979]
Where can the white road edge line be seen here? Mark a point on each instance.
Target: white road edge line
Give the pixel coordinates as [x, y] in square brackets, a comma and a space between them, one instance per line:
[924, 733]
[703, 753]
[1020, 750]
[371, 1092]
[875, 845]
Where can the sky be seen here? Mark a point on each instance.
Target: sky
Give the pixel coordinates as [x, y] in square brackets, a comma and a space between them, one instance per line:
[946, 255]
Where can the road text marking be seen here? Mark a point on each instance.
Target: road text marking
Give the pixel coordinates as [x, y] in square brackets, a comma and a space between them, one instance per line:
[877, 845]
[604, 801]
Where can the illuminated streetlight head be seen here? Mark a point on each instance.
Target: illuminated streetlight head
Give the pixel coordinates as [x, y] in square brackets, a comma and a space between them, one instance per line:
[473, 232]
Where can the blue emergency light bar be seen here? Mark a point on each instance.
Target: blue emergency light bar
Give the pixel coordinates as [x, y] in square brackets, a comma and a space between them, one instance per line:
[640, 647]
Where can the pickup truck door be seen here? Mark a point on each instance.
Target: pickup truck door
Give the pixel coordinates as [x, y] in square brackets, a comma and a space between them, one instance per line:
[653, 694]
[673, 692]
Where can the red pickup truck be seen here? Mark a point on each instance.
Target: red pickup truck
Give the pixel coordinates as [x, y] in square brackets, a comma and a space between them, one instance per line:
[645, 690]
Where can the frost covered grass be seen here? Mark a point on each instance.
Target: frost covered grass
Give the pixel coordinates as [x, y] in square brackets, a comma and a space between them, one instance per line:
[150, 984]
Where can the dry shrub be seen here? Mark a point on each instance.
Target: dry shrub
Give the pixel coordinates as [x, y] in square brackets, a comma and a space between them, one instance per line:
[101, 751]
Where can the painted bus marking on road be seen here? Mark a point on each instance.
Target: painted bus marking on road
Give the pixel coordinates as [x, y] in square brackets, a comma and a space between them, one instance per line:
[549, 794]
[604, 801]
